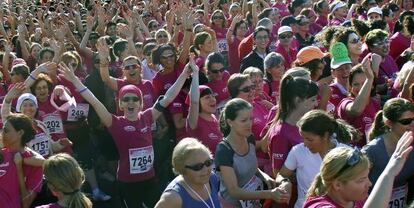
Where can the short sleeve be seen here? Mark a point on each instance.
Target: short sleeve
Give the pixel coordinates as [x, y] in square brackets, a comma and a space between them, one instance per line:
[278, 150]
[291, 161]
[342, 108]
[224, 155]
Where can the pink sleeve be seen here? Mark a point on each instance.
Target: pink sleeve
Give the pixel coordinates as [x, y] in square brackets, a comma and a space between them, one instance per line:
[34, 175]
[278, 151]
[342, 108]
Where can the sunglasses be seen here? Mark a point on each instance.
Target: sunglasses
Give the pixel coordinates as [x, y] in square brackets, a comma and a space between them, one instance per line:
[355, 40]
[218, 17]
[130, 67]
[168, 56]
[352, 160]
[218, 71]
[127, 99]
[406, 121]
[200, 166]
[381, 43]
[264, 37]
[162, 36]
[247, 89]
[285, 36]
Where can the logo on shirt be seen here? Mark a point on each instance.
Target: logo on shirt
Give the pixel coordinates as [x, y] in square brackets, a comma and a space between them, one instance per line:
[278, 156]
[224, 90]
[129, 128]
[367, 120]
[2, 173]
[145, 129]
[335, 96]
[4, 165]
[256, 120]
[177, 105]
[147, 96]
[212, 136]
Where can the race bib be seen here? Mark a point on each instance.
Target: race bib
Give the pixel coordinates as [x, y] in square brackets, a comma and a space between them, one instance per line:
[40, 144]
[53, 123]
[141, 159]
[78, 111]
[222, 45]
[254, 184]
[398, 197]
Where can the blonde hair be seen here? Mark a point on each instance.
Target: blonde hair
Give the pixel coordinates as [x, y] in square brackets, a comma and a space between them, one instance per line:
[253, 71]
[183, 150]
[64, 174]
[333, 168]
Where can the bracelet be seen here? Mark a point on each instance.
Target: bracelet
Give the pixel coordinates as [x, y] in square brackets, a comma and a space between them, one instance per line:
[32, 77]
[83, 90]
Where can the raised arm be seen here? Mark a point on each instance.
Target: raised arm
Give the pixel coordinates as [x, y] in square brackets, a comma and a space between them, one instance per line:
[13, 93]
[381, 193]
[229, 34]
[103, 52]
[21, 29]
[188, 25]
[357, 107]
[193, 112]
[83, 45]
[103, 113]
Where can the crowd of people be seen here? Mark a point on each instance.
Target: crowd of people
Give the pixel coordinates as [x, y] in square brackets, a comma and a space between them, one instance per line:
[206, 103]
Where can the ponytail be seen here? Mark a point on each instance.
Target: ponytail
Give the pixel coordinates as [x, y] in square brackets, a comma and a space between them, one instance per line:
[378, 127]
[224, 126]
[230, 111]
[79, 200]
[345, 133]
[317, 187]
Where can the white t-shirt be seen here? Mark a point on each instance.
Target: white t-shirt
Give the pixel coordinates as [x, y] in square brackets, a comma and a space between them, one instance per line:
[307, 165]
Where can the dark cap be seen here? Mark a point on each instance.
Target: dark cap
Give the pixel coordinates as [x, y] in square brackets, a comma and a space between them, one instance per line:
[288, 20]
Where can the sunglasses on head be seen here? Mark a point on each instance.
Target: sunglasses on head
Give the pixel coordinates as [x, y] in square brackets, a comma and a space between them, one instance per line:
[406, 121]
[247, 89]
[352, 160]
[381, 43]
[130, 67]
[168, 56]
[355, 40]
[218, 70]
[127, 99]
[200, 166]
[285, 36]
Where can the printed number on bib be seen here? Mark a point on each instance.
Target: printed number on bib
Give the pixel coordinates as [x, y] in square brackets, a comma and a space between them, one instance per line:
[78, 111]
[398, 198]
[222, 45]
[141, 159]
[254, 184]
[53, 123]
[40, 144]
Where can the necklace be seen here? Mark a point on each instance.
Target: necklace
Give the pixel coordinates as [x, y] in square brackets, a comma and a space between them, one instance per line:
[198, 196]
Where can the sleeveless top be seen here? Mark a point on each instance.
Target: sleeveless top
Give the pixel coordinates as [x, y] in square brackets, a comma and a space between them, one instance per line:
[188, 201]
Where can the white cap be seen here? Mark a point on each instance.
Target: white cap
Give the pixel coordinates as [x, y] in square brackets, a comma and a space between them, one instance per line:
[375, 10]
[23, 97]
[336, 5]
[284, 29]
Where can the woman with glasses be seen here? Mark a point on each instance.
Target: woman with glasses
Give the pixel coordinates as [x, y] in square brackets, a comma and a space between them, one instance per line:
[132, 75]
[321, 8]
[236, 33]
[359, 108]
[261, 38]
[64, 178]
[391, 122]
[343, 179]
[162, 36]
[285, 47]
[241, 181]
[274, 70]
[321, 133]
[135, 174]
[218, 24]
[303, 36]
[353, 42]
[196, 185]
[217, 78]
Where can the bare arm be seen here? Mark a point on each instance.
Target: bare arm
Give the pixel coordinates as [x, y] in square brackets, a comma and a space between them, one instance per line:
[103, 52]
[188, 25]
[193, 112]
[169, 199]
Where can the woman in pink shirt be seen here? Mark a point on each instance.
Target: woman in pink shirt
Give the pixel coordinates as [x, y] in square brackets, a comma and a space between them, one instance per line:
[274, 70]
[204, 43]
[235, 34]
[201, 122]
[322, 10]
[65, 178]
[132, 134]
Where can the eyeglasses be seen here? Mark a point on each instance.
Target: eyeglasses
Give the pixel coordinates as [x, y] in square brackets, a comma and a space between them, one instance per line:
[217, 17]
[168, 56]
[355, 40]
[127, 99]
[247, 88]
[381, 43]
[162, 36]
[218, 71]
[285, 36]
[351, 160]
[406, 121]
[130, 67]
[200, 166]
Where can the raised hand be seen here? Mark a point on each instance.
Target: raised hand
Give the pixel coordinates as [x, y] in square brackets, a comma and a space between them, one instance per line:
[103, 49]
[366, 67]
[15, 92]
[401, 152]
[89, 23]
[67, 72]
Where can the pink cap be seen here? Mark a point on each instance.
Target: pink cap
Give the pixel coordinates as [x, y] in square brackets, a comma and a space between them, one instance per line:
[130, 89]
[18, 61]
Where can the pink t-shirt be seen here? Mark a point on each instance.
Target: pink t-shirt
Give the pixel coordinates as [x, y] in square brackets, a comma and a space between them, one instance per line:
[398, 43]
[219, 87]
[146, 88]
[362, 122]
[162, 82]
[178, 106]
[335, 21]
[322, 20]
[388, 69]
[260, 113]
[9, 189]
[283, 9]
[273, 87]
[52, 119]
[116, 69]
[338, 94]
[282, 137]
[289, 56]
[327, 202]
[200, 60]
[220, 32]
[33, 175]
[208, 132]
[234, 59]
[134, 142]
